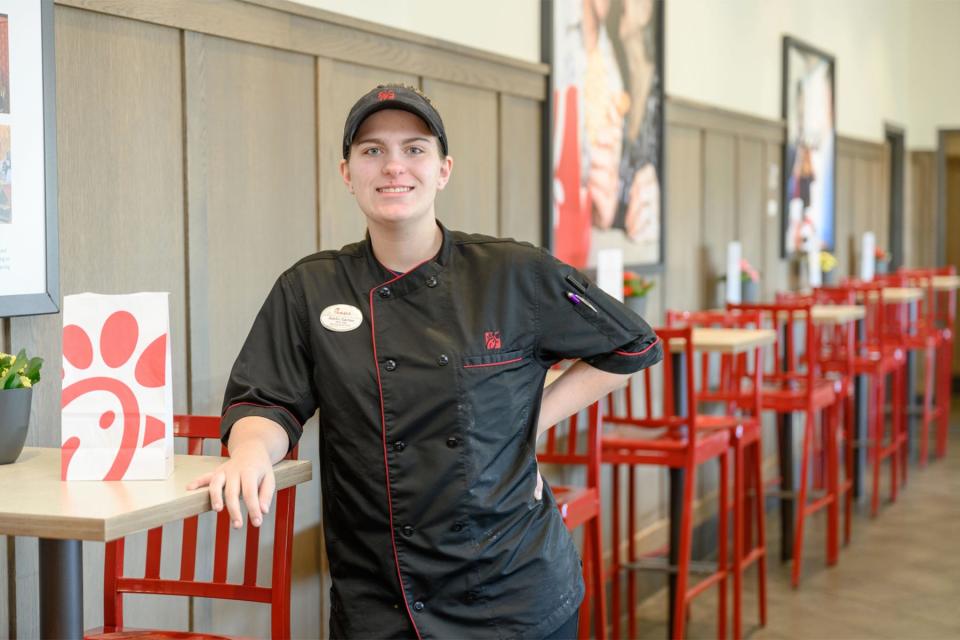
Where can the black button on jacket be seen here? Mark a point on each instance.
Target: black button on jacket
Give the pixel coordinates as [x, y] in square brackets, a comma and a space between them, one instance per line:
[428, 471]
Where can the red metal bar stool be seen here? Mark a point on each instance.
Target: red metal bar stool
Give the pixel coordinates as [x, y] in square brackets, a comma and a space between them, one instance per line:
[878, 358]
[798, 386]
[580, 506]
[920, 335]
[836, 360]
[669, 438]
[196, 429]
[943, 309]
[736, 388]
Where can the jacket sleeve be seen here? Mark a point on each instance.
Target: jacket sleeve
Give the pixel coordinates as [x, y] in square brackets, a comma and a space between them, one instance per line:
[273, 375]
[576, 319]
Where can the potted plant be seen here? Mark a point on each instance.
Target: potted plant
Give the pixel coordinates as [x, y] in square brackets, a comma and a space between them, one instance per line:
[635, 290]
[881, 260]
[18, 374]
[828, 268]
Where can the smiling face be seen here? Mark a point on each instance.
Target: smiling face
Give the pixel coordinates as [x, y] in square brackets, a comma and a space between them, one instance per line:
[395, 169]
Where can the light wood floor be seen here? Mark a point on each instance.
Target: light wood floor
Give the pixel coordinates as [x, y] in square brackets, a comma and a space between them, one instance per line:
[898, 578]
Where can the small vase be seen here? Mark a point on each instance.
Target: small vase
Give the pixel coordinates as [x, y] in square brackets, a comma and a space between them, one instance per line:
[881, 267]
[749, 291]
[829, 278]
[637, 304]
[14, 420]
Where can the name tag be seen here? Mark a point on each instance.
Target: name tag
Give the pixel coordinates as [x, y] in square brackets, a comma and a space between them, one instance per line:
[341, 317]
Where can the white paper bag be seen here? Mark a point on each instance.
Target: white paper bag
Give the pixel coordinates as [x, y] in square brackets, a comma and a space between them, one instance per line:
[117, 397]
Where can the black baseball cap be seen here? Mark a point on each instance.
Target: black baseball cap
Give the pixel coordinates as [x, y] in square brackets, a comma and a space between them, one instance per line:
[393, 96]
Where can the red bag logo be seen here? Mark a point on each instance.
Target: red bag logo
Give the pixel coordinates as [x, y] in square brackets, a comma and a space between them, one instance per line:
[492, 339]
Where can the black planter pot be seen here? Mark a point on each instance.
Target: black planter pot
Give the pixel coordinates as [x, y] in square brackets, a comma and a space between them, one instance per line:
[14, 420]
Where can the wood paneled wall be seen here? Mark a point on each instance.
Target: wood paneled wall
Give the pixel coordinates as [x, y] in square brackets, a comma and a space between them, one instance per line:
[199, 145]
[921, 245]
[199, 152]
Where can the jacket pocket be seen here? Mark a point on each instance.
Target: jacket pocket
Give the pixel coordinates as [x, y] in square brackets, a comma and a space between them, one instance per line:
[499, 359]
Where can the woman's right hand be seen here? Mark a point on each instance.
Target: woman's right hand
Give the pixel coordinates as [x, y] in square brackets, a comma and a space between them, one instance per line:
[255, 445]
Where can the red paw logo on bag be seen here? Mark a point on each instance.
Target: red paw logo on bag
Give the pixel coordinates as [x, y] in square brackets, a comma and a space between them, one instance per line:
[492, 340]
[116, 400]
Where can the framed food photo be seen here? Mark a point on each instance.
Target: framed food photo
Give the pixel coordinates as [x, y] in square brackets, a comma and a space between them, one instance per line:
[810, 152]
[29, 261]
[604, 171]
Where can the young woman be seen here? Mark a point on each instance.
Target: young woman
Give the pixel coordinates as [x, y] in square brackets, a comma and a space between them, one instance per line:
[425, 351]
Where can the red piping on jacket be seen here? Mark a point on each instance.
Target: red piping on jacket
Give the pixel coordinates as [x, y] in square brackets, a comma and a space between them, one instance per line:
[383, 438]
[492, 364]
[638, 353]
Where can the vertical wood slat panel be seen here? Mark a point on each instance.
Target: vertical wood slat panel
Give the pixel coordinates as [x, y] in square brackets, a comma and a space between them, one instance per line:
[470, 200]
[921, 196]
[339, 85]
[880, 188]
[520, 169]
[751, 201]
[120, 177]
[719, 209]
[683, 222]
[847, 239]
[775, 269]
[921, 209]
[861, 201]
[252, 207]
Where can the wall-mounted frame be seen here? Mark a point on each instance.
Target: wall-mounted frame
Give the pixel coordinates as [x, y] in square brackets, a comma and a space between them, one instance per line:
[604, 131]
[810, 150]
[29, 242]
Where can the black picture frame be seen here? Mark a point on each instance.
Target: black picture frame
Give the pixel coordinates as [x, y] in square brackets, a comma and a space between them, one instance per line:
[548, 56]
[828, 238]
[47, 300]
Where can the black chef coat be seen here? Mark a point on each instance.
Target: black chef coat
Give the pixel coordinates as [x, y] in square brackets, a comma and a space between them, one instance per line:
[428, 417]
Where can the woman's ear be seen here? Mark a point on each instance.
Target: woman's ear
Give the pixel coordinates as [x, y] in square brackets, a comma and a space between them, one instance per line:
[345, 174]
[446, 166]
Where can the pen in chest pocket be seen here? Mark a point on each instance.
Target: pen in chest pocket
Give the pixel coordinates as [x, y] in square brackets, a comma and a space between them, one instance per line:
[578, 300]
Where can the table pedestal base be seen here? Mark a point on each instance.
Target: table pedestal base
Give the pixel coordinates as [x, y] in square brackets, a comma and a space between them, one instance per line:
[61, 589]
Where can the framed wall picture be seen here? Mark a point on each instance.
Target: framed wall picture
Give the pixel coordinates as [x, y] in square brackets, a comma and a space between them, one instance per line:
[810, 150]
[29, 244]
[603, 151]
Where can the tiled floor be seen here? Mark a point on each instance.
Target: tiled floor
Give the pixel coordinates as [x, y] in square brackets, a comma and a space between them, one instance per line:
[898, 578]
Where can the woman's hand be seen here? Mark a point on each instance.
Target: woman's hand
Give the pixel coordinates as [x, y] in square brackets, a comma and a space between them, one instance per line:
[255, 445]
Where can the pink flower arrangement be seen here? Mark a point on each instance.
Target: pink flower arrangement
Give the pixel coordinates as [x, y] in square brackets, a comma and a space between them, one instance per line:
[747, 272]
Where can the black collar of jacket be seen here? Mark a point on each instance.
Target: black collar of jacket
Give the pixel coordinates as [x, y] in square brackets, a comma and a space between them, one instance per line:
[420, 276]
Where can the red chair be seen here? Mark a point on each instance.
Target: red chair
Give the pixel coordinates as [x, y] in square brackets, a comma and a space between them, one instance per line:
[736, 389]
[878, 358]
[796, 385]
[941, 317]
[677, 441]
[196, 429]
[580, 506]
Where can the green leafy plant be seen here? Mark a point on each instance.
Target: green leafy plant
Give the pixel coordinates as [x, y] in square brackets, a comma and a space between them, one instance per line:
[635, 285]
[19, 372]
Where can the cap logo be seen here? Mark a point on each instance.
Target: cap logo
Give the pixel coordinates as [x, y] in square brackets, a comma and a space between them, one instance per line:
[386, 95]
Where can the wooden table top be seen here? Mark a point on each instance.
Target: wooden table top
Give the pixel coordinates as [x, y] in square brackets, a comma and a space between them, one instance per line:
[833, 313]
[44, 506]
[837, 313]
[901, 294]
[727, 340]
[945, 283]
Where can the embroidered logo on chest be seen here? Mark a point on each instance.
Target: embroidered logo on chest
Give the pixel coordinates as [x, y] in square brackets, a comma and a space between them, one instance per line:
[341, 317]
[492, 340]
